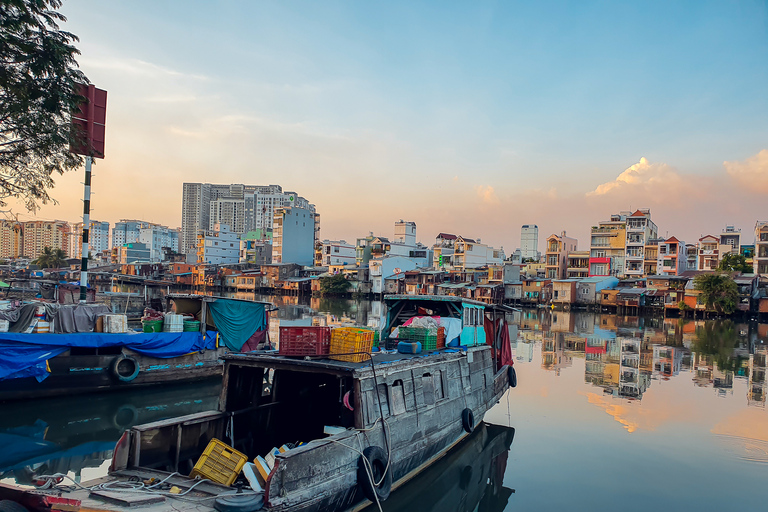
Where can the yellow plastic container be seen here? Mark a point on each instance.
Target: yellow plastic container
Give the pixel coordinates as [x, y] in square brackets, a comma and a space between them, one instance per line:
[351, 339]
[219, 463]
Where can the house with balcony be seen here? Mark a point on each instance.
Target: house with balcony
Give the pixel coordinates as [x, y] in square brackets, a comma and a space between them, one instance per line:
[607, 246]
[760, 255]
[470, 253]
[672, 258]
[640, 229]
[556, 257]
[577, 265]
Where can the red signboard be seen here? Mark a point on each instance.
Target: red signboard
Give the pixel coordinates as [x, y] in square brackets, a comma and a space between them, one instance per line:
[89, 122]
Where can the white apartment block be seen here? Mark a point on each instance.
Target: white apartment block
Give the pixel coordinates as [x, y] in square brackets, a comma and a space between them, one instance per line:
[529, 242]
[469, 253]
[337, 252]
[156, 237]
[228, 211]
[126, 232]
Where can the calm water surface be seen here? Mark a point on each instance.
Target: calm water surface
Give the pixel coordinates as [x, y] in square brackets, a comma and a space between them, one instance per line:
[611, 413]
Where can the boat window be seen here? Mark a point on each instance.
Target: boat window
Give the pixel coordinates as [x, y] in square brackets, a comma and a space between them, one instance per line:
[398, 397]
[438, 385]
[428, 388]
[383, 400]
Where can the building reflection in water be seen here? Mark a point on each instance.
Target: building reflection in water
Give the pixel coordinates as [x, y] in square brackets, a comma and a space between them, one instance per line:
[623, 355]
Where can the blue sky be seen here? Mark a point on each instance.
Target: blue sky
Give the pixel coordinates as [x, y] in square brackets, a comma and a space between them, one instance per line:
[466, 117]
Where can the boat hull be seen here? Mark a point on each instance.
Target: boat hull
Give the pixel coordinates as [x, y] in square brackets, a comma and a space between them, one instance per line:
[77, 374]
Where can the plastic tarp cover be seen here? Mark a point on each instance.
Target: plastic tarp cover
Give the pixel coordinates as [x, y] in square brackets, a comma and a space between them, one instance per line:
[237, 321]
[25, 355]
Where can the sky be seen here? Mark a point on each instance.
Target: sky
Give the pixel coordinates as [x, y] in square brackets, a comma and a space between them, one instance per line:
[471, 118]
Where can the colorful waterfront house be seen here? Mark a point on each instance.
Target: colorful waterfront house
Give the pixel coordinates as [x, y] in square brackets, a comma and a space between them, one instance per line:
[588, 289]
[760, 255]
[564, 292]
[608, 298]
[533, 289]
[672, 259]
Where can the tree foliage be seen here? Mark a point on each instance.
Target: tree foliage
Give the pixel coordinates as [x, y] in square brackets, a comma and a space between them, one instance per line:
[718, 292]
[332, 285]
[38, 77]
[735, 263]
[719, 339]
[51, 258]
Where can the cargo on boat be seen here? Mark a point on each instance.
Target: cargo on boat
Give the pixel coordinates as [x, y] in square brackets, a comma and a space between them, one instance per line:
[324, 433]
[72, 357]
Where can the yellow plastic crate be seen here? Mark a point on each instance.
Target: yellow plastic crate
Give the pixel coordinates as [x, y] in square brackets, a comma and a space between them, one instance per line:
[219, 463]
[351, 339]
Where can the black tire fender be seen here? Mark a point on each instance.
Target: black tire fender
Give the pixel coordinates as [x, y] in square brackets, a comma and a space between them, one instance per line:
[11, 506]
[468, 420]
[377, 458]
[119, 365]
[512, 374]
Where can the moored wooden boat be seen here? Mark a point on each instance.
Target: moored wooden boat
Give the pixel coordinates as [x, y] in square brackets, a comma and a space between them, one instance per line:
[41, 365]
[392, 416]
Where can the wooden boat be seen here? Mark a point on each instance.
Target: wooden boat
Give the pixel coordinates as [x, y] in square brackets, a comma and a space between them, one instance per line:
[393, 416]
[64, 364]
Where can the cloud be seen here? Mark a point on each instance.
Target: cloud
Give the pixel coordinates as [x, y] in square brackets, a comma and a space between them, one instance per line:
[751, 173]
[487, 194]
[642, 175]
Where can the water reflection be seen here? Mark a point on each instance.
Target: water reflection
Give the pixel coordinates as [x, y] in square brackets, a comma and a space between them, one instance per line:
[469, 478]
[68, 435]
[624, 355]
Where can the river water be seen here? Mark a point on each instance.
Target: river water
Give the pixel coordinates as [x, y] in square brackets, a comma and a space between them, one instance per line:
[610, 413]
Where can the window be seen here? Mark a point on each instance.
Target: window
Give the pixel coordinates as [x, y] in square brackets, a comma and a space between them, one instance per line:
[398, 397]
[382, 389]
[428, 388]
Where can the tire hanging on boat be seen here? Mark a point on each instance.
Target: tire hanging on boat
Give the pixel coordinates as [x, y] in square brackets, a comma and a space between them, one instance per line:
[512, 374]
[12, 506]
[377, 458]
[124, 368]
[468, 420]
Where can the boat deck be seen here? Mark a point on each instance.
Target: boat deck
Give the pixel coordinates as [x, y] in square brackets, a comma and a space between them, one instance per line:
[322, 363]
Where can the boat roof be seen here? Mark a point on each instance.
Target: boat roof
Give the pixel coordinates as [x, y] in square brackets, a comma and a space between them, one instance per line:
[322, 364]
[447, 298]
[213, 298]
[434, 298]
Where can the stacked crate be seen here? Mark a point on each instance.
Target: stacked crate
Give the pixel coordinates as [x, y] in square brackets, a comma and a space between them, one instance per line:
[346, 340]
[304, 341]
[422, 335]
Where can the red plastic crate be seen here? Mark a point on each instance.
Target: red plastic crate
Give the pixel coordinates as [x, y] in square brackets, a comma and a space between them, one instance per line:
[304, 341]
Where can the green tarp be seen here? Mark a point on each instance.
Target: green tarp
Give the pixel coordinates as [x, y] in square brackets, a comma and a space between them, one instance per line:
[237, 321]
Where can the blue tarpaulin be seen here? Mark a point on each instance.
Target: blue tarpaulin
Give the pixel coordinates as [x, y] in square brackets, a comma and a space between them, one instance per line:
[25, 355]
[237, 321]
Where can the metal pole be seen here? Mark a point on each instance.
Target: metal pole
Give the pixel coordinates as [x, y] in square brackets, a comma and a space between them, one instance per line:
[86, 230]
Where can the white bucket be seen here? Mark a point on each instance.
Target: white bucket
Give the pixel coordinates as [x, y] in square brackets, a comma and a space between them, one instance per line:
[173, 323]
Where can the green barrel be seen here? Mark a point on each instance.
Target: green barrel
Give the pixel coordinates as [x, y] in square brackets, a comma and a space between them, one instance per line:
[152, 325]
[191, 326]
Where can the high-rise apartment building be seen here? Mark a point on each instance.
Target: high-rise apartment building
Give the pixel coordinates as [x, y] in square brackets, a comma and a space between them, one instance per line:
[38, 234]
[126, 232]
[11, 238]
[98, 238]
[243, 208]
[529, 242]
[293, 236]
[760, 255]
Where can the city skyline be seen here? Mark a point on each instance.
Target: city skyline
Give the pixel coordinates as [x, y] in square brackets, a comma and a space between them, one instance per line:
[473, 120]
